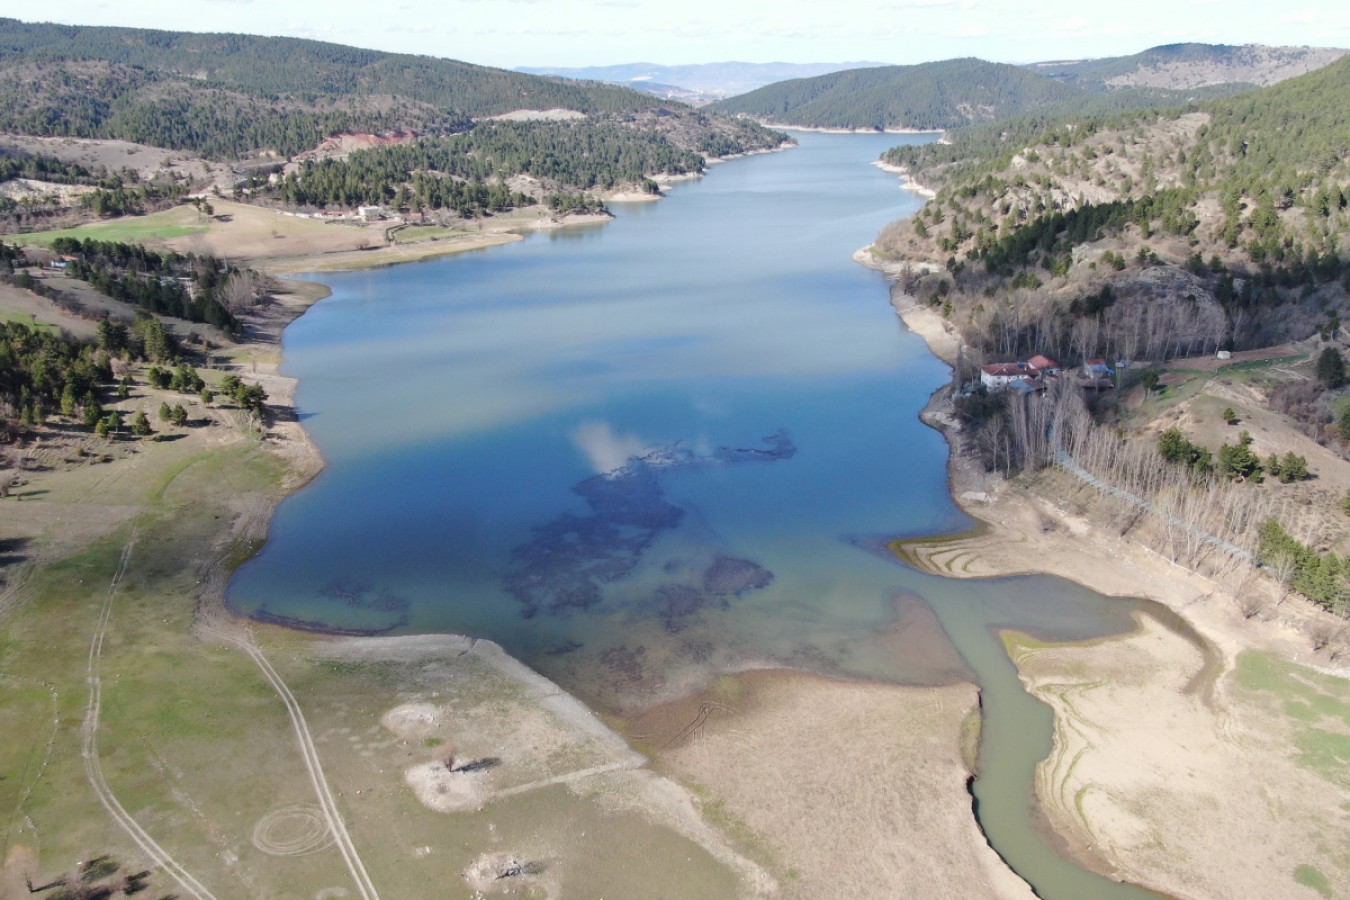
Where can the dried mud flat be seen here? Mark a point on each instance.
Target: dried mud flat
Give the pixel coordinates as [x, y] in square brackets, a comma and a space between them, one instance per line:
[844, 789]
[478, 734]
[1195, 792]
[1165, 772]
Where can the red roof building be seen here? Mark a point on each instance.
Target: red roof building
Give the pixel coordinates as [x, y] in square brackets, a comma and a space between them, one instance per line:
[1044, 365]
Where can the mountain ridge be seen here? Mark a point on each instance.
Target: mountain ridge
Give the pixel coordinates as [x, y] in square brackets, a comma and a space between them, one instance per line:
[961, 92]
[227, 95]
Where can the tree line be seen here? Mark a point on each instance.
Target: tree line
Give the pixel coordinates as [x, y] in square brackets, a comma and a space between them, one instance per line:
[194, 288]
[467, 172]
[229, 95]
[115, 192]
[1323, 578]
[935, 95]
[1169, 494]
[42, 372]
[1260, 156]
[274, 66]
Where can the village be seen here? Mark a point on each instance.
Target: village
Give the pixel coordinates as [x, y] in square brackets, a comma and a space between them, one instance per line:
[1036, 373]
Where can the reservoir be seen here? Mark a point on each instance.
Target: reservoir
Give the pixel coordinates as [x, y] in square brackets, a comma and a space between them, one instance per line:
[641, 454]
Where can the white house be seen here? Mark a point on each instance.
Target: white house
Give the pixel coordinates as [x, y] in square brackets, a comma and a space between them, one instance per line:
[997, 376]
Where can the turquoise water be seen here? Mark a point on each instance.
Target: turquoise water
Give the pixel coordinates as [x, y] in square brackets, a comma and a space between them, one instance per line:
[644, 453]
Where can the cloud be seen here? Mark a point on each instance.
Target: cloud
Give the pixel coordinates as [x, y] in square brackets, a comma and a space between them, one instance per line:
[967, 32]
[316, 32]
[607, 452]
[911, 5]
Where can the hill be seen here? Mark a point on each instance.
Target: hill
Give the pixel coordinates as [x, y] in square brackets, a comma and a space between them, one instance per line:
[929, 96]
[962, 92]
[1188, 66]
[316, 125]
[227, 95]
[704, 82]
[1286, 147]
[1143, 235]
[1145, 252]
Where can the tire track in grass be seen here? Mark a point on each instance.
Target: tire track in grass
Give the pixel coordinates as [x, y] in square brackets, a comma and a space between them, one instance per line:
[310, 756]
[93, 769]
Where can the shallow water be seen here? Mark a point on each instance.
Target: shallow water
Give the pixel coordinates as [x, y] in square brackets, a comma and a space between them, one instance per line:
[643, 453]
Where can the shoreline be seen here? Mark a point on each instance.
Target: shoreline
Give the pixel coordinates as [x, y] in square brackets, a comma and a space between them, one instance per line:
[785, 710]
[999, 506]
[983, 496]
[906, 180]
[1006, 513]
[942, 769]
[815, 129]
[1022, 531]
[297, 444]
[666, 181]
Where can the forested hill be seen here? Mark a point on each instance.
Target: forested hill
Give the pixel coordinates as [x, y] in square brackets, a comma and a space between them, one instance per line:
[276, 65]
[229, 94]
[1240, 207]
[937, 95]
[962, 92]
[1188, 66]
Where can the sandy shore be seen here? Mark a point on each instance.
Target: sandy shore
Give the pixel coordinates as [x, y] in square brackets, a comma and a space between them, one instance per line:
[906, 180]
[348, 260]
[665, 181]
[1158, 749]
[763, 750]
[1165, 775]
[814, 130]
[786, 145]
[896, 761]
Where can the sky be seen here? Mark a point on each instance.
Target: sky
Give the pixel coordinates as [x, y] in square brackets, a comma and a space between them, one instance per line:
[510, 33]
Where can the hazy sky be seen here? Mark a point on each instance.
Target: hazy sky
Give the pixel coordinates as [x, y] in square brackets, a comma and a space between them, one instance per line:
[512, 33]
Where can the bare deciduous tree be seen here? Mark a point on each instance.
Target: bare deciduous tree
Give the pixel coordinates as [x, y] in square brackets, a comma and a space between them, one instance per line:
[242, 291]
[1250, 604]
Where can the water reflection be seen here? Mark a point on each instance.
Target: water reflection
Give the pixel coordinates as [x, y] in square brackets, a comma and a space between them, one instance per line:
[556, 445]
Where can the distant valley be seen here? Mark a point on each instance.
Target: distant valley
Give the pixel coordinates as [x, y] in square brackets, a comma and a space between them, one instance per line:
[699, 83]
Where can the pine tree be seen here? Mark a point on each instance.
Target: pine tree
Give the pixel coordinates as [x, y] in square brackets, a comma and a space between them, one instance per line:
[1331, 368]
[68, 403]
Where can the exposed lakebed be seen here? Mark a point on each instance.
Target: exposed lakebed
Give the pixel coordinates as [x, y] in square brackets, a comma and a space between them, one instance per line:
[641, 454]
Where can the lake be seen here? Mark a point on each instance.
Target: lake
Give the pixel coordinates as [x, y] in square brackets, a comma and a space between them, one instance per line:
[641, 454]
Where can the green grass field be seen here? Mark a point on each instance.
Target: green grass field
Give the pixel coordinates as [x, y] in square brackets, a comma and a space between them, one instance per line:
[1317, 705]
[161, 226]
[26, 319]
[198, 748]
[414, 233]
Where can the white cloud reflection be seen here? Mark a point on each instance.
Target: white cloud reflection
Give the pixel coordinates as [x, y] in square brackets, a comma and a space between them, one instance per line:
[606, 451]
